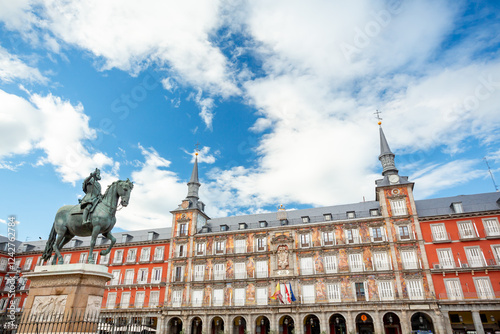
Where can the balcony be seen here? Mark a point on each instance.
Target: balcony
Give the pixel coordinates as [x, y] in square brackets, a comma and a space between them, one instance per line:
[150, 281]
[491, 233]
[412, 265]
[461, 265]
[441, 237]
[469, 296]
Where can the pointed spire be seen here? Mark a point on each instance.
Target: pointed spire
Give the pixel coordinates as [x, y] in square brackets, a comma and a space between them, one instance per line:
[386, 157]
[194, 183]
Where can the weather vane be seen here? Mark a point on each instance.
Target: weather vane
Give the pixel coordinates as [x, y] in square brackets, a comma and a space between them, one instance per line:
[197, 149]
[378, 116]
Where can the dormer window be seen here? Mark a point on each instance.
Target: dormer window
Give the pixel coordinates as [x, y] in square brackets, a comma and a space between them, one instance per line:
[284, 222]
[242, 226]
[263, 223]
[327, 216]
[152, 236]
[126, 238]
[457, 207]
[305, 219]
[205, 229]
[224, 228]
[351, 214]
[75, 243]
[374, 212]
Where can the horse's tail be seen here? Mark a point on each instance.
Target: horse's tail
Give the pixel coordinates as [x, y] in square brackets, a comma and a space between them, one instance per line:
[47, 253]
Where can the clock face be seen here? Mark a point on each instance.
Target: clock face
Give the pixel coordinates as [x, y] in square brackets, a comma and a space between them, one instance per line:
[393, 178]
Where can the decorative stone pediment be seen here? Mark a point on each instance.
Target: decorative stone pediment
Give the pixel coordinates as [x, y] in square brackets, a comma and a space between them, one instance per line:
[351, 226]
[281, 239]
[262, 284]
[200, 240]
[413, 275]
[376, 224]
[305, 254]
[240, 237]
[327, 228]
[408, 247]
[402, 222]
[354, 250]
[183, 219]
[383, 248]
[329, 253]
[333, 280]
[357, 279]
[262, 257]
[200, 261]
[220, 238]
[180, 263]
[181, 242]
[215, 261]
[238, 285]
[305, 231]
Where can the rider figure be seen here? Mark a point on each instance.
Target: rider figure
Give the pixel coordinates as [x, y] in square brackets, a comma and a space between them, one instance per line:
[92, 189]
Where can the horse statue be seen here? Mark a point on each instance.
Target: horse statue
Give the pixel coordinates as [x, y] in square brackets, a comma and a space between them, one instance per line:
[69, 223]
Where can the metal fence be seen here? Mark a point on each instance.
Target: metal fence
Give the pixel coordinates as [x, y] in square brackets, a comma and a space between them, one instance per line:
[78, 322]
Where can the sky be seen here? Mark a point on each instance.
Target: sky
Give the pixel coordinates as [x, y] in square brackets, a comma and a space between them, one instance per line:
[278, 97]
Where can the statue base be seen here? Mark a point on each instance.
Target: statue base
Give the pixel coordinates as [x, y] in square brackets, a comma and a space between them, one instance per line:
[67, 295]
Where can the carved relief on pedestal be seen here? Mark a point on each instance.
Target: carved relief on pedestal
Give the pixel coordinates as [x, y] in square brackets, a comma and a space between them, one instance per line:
[45, 307]
[93, 307]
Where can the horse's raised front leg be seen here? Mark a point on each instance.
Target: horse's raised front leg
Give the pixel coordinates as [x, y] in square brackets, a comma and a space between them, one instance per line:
[65, 240]
[95, 232]
[60, 237]
[112, 239]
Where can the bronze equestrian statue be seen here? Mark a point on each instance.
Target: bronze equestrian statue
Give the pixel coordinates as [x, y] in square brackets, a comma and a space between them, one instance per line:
[99, 218]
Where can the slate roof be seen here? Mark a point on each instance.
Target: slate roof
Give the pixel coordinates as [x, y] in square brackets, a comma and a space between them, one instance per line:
[294, 217]
[135, 236]
[470, 203]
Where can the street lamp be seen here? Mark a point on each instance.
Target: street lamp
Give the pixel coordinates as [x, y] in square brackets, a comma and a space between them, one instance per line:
[390, 318]
[337, 320]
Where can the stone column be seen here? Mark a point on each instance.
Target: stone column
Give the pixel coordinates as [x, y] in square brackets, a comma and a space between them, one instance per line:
[351, 326]
[186, 325]
[251, 324]
[378, 323]
[405, 322]
[447, 322]
[478, 325]
[161, 325]
[206, 326]
[323, 323]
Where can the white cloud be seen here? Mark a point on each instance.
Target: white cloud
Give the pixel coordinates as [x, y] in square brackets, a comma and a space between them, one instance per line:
[54, 126]
[444, 176]
[3, 221]
[204, 155]
[156, 191]
[13, 68]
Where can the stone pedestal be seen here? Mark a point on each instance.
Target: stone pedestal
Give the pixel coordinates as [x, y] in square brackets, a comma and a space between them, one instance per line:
[68, 294]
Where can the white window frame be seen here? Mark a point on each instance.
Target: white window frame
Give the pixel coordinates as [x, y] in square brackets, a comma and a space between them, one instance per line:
[154, 298]
[334, 292]
[381, 260]
[129, 276]
[140, 297]
[219, 271]
[199, 272]
[116, 277]
[118, 256]
[182, 230]
[331, 264]
[475, 256]
[262, 294]
[125, 299]
[67, 258]
[352, 236]
[382, 237]
[453, 288]
[329, 238]
[409, 259]
[176, 298]
[415, 289]
[496, 253]
[261, 269]
[403, 236]
[305, 240]
[398, 207]
[131, 255]
[385, 290]
[261, 243]
[240, 270]
[83, 257]
[466, 229]
[181, 250]
[306, 266]
[491, 227]
[145, 254]
[439, 233]
[159, 253]
[156, 274]
[240, 246]
[445, 256]
[220, 247]
[28, 263]
[308, 294]
[218, 297]
[175, 277]
[197, 298]
[239, 296]
[201, 248]
[111, 300]
[484, 289]
[365, 291]
[356, 263]
[104, 259]
[142, 275]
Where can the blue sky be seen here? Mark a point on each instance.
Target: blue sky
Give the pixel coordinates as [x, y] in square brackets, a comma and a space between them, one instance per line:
[279, 95]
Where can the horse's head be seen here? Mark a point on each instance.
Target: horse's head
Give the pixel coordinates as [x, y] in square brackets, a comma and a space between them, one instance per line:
[124, 188]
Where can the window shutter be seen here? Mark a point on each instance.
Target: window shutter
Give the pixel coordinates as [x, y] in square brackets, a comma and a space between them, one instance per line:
[239, 297]
[331, 263]
[334, 292]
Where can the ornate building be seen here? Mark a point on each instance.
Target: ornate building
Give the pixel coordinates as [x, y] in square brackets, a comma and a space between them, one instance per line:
[393, 265]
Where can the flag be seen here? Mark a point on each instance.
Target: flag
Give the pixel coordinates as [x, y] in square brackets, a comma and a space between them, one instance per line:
[291, 293]
[277, 293]
[287, 295]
